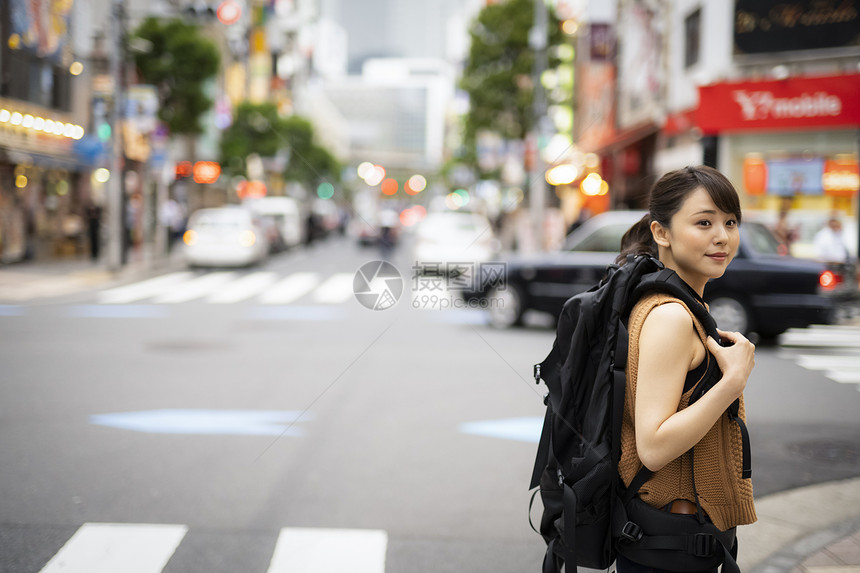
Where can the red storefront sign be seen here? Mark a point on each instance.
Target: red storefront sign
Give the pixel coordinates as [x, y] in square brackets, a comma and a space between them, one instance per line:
[841, 177]
[793, 103]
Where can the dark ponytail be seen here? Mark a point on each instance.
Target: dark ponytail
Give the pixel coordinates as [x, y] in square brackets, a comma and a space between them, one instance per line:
[666, 198]
[638, 240]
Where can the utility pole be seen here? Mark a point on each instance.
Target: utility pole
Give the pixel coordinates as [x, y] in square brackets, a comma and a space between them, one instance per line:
[538, 41]
[115, 202]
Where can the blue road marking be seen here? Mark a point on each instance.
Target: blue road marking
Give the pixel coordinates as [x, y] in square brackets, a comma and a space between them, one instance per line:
[11, 310]
[207, 422]
[291, 312]
[118, 311]
[525, 429]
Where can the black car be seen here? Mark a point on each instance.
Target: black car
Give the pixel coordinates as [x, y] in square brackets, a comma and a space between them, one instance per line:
[761, 290]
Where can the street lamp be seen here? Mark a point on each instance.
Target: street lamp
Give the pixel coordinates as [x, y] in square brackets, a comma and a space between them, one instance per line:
[538, 41]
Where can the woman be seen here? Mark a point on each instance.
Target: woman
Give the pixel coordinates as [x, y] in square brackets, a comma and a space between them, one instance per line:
[692, 227]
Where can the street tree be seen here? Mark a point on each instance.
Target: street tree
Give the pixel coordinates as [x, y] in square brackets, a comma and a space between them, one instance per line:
[259, 129]
[176, 58]
[497, 75]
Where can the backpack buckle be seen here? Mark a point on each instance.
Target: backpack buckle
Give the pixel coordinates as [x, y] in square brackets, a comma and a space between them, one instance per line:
[704, 544]
[631, 532]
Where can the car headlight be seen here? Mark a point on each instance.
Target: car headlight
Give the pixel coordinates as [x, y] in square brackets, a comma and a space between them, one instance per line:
[189, 237]
[247, 238]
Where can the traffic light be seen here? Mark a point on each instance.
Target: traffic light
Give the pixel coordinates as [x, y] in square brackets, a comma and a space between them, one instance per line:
[103, 130]
[199, 10]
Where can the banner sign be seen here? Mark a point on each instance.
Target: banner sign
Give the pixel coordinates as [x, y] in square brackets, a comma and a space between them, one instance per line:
[793, 103]
[769, 26]
[40, 26]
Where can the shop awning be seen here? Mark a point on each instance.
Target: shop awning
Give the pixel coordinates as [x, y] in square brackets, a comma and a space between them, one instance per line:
[49, 161]
[628, 137]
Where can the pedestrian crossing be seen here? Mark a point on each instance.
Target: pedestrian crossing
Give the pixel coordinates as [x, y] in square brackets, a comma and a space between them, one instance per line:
[110, 547]
[147, 548]
[833, 350]
[230, 287]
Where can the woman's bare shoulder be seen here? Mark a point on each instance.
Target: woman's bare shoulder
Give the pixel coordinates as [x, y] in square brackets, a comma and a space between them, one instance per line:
[668, 322]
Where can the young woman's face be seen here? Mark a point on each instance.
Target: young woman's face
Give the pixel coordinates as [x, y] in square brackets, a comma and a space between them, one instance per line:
[701, 240]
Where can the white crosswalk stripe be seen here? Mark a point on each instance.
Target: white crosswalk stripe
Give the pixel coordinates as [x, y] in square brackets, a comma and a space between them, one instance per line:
[196, 288]
[112, 547]
[243, 288]
[336, 289]
[147, 548]
[291, 288]
[834, 350]
[262, 287]
[144, 289]
[309, 551]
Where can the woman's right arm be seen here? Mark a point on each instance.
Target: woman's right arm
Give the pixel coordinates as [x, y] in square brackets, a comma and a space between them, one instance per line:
[667, 346]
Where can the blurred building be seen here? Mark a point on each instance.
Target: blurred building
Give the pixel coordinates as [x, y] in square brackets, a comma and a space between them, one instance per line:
[399, 28]
[767, 93]
[394, 113]
[46, 149]
[384, 78]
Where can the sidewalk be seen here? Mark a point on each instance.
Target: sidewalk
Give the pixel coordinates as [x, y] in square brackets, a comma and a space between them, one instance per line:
[814, 529]
[32, 280]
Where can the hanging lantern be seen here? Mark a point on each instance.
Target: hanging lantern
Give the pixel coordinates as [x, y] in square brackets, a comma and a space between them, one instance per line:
[755, 174]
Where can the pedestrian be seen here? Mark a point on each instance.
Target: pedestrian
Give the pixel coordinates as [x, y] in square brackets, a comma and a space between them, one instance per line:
[172, 217]
[692, 227]
[93, 215]
[387, 233]
[784, 232]
[829, 242]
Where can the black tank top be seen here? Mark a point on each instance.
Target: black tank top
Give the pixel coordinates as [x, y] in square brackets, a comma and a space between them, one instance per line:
[705, 368]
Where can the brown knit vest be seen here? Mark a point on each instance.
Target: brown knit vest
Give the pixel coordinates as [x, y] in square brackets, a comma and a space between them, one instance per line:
[725, 496]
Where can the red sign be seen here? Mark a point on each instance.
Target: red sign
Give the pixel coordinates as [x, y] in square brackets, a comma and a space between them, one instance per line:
[228, 12]
[206, 172]
[183, 169]
[251, 189]
[793, 103]
[841, 177]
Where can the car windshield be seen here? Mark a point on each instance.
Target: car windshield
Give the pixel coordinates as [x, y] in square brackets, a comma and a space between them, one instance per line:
[607, 239]
[220, 220]
[603, 240]
[452, 222]
[760, 239]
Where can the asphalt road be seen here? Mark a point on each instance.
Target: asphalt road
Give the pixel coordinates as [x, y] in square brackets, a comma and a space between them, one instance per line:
[233, 423]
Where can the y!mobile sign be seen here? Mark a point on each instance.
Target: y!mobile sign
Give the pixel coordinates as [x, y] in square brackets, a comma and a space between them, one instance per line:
[794, 103]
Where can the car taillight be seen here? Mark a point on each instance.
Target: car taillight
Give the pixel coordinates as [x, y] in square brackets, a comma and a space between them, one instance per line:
[829, 280]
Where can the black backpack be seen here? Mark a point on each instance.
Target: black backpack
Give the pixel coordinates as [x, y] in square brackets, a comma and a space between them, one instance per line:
[588, 514]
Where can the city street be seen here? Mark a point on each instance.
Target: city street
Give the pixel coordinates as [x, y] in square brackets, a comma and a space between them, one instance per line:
[264, 420]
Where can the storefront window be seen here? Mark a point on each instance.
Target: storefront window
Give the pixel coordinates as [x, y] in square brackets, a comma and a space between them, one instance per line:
[692, 38]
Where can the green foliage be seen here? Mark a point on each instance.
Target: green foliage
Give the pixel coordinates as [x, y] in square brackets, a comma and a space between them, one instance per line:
[257, 128]
[498, 72]
[179, 61]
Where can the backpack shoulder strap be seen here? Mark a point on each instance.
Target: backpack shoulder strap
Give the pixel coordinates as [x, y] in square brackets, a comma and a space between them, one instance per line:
[668, 281]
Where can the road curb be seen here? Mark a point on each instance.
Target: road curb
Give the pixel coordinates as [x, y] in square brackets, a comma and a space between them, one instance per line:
[788, 558]
[795, 524]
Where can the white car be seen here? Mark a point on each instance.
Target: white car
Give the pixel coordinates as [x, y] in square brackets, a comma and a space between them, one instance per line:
[287, 214]
[224, 237]
[448, 237]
